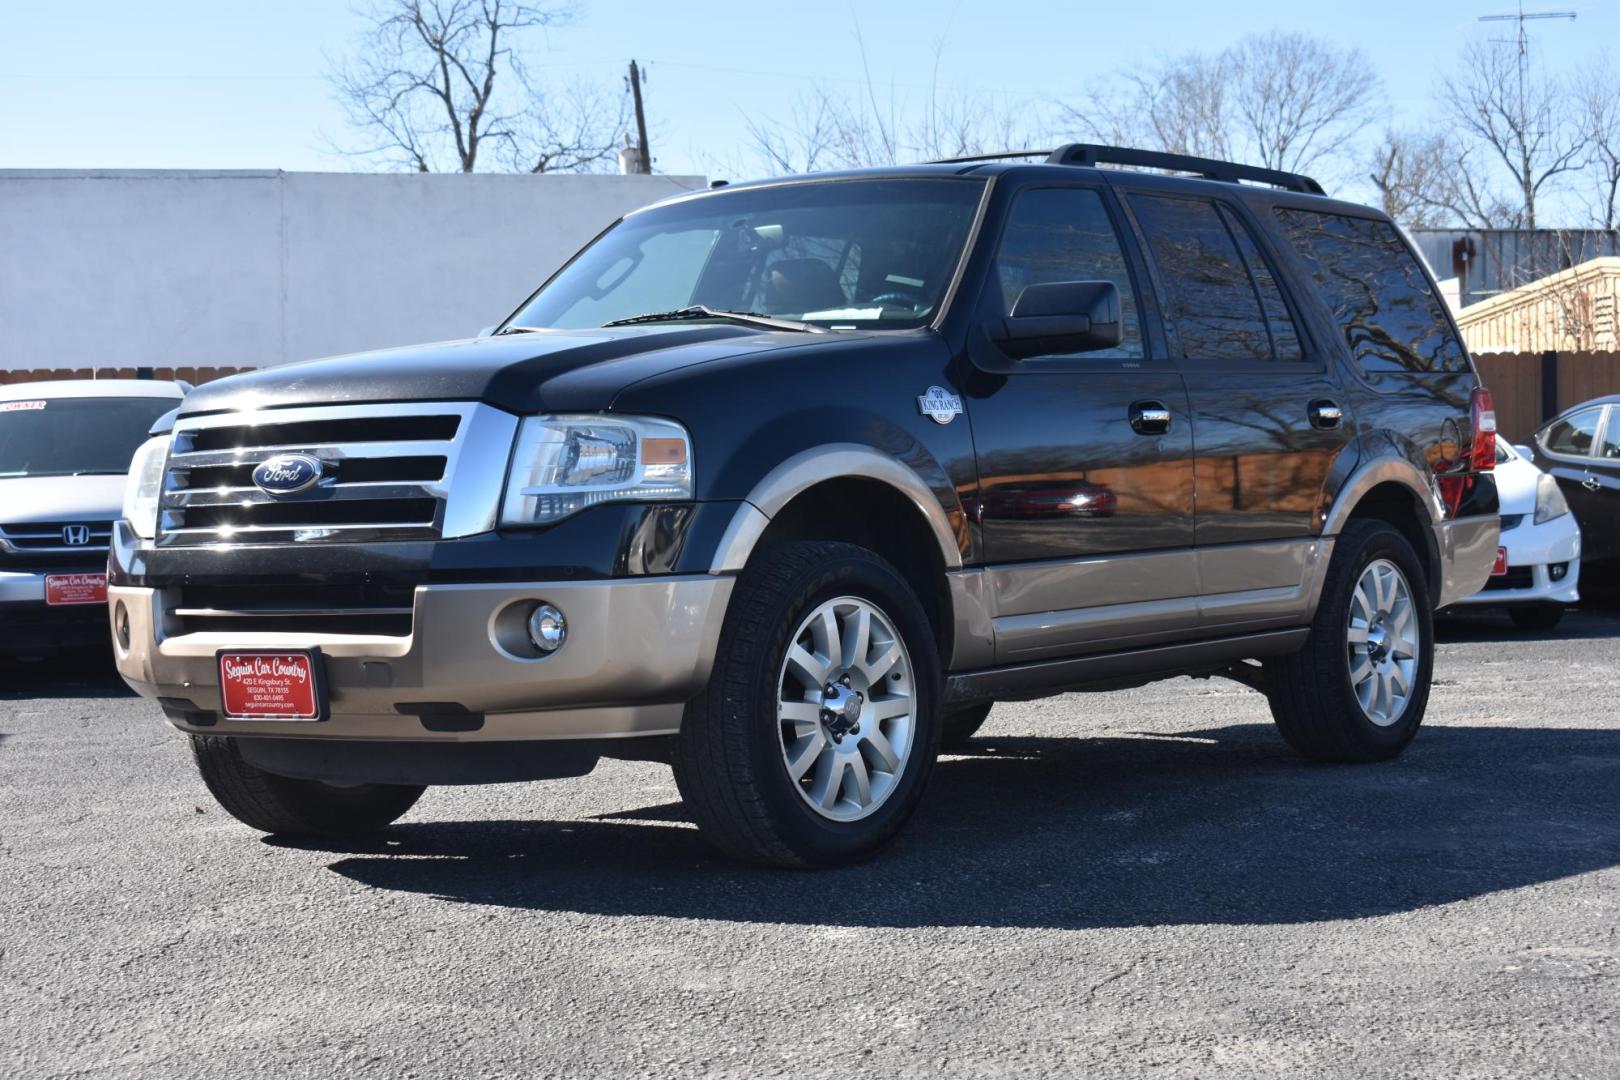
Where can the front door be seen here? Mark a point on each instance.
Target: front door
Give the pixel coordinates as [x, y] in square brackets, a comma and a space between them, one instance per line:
[1081, 456]
[1583, 454]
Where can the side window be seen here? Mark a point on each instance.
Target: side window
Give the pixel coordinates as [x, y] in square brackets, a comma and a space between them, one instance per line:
[1609, 445]
[1219, 293]
[1573, 435]
[1065, 234]
[1379, 294]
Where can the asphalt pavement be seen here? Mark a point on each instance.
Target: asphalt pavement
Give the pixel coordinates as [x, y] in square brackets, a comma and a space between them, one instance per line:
[1136, 883]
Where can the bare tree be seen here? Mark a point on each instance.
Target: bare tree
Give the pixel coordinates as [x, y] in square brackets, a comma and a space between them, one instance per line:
[1598, 91]
[1287, 101]
[1523, 120]
[1427, 180]
[1409, 170]
[439, 85]
[826, 129]
[1177, 104]
[1296, 98]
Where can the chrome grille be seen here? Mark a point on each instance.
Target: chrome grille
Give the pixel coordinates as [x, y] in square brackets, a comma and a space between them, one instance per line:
[389, 472]
[50, 538]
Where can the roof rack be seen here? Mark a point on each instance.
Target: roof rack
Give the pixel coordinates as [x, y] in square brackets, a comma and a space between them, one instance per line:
[1208, 168]
[1000, 155]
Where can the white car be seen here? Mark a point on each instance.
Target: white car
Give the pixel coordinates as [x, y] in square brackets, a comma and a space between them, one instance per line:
[65, 449]
[1538, 565]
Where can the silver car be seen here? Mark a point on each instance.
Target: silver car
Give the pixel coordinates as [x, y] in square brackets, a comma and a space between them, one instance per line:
[65, 449]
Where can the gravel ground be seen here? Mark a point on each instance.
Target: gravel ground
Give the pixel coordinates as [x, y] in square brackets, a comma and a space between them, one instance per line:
[1131, 883]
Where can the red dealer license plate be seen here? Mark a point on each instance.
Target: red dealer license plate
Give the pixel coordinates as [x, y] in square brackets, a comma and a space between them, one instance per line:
[65, 589]
[271, 685]
[1499, 567]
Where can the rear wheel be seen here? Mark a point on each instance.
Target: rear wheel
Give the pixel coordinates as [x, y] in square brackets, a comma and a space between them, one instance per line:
[1358, 688]
[280, 804]
[1537, 616]
[817, 732]
[959, 725]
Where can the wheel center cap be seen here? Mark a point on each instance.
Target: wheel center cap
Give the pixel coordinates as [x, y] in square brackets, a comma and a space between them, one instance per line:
[841, 709]
[1377, 640]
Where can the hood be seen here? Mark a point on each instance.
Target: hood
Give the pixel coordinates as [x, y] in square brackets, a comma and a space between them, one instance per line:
[27, 499]
[539, 371]
[1516, 485]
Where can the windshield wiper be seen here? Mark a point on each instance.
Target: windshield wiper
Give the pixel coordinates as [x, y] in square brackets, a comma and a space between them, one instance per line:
[702, 311]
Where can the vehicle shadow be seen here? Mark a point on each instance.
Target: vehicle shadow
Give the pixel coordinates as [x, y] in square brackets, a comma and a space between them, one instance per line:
[77, 674]
[1220, 826]
[1579, 624]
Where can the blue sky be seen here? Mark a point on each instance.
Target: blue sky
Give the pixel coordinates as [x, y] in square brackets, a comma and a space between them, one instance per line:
[234, 84]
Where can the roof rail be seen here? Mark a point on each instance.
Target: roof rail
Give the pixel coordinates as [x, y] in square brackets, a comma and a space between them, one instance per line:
[1000, 155]
[1208, 168]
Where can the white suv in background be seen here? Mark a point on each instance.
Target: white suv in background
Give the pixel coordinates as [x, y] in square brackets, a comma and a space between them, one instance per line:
[1538, 565]
[65, 449]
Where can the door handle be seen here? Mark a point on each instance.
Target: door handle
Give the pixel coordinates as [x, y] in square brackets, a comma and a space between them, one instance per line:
[1149, 418]
[1325, 414]
[1591, 483]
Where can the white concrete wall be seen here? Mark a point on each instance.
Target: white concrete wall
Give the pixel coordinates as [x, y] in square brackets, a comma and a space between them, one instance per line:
[169, 269]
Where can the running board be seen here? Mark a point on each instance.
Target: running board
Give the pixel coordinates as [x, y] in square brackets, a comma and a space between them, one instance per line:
[1019, 682]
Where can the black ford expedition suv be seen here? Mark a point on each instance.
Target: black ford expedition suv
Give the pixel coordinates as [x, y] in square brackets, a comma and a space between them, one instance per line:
[787, 483]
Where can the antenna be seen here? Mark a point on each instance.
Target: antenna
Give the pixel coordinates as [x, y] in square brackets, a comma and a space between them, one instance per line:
[1523, 17]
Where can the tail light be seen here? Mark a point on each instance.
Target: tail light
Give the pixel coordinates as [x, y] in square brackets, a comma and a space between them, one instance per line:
[1482, 412]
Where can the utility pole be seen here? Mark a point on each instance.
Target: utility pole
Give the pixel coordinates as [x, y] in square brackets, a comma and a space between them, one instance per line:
[644, 156]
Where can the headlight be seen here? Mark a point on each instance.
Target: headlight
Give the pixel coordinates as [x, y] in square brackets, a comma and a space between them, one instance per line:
[145, 487]
[1549, 500]
[563, 464]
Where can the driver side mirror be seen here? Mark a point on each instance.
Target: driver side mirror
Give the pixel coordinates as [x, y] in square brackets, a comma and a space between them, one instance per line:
[1061, 317]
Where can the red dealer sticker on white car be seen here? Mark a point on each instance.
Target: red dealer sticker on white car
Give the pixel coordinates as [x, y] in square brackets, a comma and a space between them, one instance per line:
[270, 685]
[1500, 566]
[65, 589]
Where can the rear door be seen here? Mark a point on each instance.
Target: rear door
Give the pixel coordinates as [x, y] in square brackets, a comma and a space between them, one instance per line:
[1269, 417]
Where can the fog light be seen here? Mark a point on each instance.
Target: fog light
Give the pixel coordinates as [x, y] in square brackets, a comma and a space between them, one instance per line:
[547, 629]
[121, 624]
[1557, 570]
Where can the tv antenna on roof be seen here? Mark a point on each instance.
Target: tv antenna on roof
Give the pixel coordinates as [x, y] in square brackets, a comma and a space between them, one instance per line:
[1523, 17]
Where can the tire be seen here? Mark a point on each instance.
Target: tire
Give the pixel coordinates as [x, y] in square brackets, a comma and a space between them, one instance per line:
[732, 757]
[959, 725]
[281, 804]
[1537, 616]
[1314, 693]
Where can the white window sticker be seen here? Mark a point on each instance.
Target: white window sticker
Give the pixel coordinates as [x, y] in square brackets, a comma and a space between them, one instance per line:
[20, 406]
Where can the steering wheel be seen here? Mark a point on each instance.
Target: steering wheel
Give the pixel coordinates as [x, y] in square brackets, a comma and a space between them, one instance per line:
[910, 300]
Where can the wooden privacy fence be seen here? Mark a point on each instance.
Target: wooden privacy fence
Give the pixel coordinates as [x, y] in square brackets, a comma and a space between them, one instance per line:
[193, 375]
[1531, 388]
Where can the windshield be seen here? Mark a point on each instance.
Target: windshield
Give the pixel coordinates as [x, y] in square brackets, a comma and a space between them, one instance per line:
[73, 436]
[874, 254]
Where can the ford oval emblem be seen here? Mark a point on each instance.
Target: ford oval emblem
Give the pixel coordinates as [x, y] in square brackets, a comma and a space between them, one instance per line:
[288, 474]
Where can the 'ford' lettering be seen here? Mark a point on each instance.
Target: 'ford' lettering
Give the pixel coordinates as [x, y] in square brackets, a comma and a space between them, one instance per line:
[287, 474]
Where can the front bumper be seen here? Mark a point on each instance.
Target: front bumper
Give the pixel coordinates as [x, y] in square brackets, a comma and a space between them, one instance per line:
[1538, 548]
[637, 650]
[29, 625]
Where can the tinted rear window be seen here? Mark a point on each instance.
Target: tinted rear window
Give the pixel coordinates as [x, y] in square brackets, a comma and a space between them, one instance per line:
[1378, 292]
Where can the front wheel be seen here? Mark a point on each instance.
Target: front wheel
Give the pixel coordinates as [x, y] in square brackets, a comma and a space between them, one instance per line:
[814, 739]
[281, 804]
[1358, 688]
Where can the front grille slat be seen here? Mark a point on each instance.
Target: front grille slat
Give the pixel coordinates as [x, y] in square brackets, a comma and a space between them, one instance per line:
[46, 538]
[387, 474]
[250, 498]
[295, 606]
